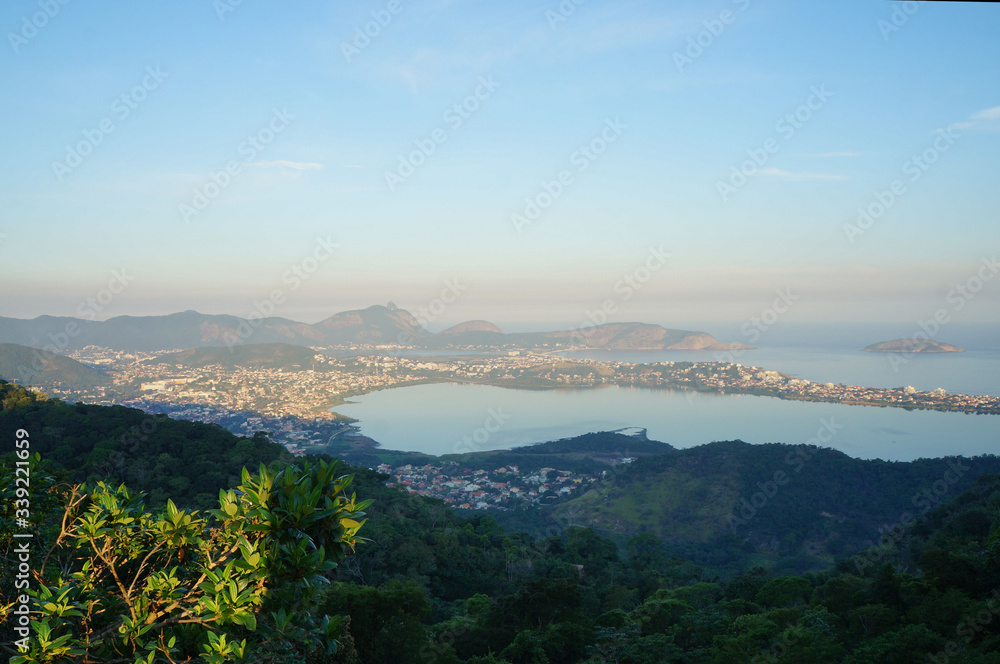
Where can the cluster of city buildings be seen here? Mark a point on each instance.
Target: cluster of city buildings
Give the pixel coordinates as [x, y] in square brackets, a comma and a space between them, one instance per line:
[501, 488]
[737, 378]
[309, 393]
[299, 435]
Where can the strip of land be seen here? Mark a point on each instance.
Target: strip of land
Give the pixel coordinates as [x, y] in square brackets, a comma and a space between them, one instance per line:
[289, 391]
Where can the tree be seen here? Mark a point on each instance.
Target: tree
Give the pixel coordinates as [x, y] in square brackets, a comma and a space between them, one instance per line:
[911, 643]
[657, 614]
[785, 591]
[121, 584]
[386, 622]
[746, 637]
[526, 649]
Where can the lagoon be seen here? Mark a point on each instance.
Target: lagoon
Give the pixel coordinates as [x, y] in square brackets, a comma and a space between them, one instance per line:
[451, 417]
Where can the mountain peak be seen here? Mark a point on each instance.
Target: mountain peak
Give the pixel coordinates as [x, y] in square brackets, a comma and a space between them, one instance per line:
[375, 324]
[472, 326]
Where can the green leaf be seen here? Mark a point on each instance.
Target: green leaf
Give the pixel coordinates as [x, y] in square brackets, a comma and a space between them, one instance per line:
[247, 619]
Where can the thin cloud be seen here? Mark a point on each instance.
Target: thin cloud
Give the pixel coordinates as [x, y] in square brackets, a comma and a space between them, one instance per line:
[799, 177]
[826, 155]
[987, 114]
[284, 163]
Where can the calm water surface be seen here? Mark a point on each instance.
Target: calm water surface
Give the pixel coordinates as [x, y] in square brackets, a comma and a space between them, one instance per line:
[448, 418]
[441, 419]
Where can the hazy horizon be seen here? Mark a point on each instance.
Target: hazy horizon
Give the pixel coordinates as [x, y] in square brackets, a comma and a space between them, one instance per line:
[791, 333]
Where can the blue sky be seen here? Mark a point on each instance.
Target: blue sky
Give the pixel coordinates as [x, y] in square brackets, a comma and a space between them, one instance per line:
[311, 129]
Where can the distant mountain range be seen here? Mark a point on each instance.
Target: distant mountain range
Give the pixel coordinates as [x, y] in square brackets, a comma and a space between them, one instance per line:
[30, 366]
[913, 346]
[376, 325]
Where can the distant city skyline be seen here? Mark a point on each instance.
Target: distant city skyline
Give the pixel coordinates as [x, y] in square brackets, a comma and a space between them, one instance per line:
[663, 164]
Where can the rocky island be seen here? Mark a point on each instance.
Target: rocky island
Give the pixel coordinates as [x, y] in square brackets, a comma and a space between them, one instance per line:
[913, 346]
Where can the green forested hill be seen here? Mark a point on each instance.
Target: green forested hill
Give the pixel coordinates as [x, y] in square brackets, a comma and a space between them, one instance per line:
[261, 356]
[587, 453]
[31, 366]
[186, 461]
[451, 590]
[779, 500]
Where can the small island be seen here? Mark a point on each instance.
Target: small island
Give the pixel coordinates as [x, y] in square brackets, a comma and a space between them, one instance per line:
[913, 346]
